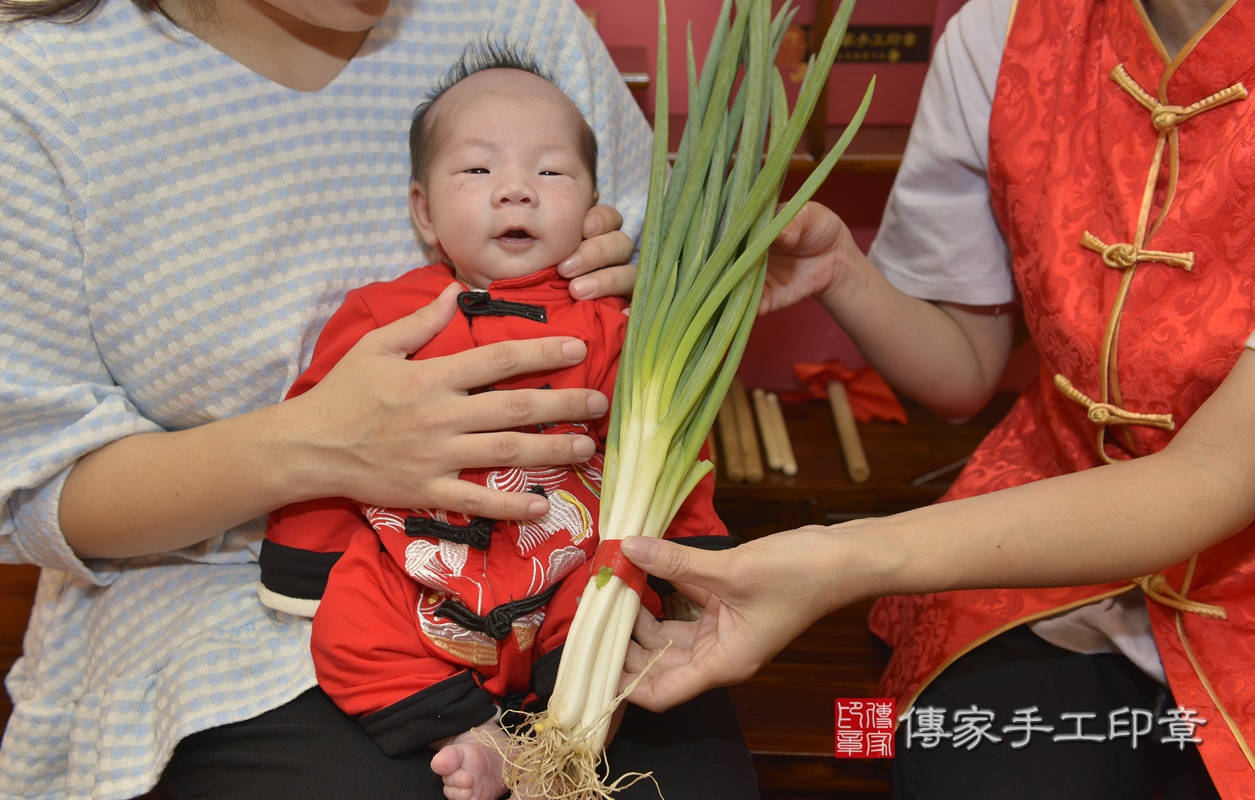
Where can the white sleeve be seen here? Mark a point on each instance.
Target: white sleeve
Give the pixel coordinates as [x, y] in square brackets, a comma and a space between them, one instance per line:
[939, 239]
[59, 401]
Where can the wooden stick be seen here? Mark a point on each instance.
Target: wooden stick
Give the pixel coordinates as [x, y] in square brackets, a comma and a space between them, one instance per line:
[745, 425]
[847, 433]
[730, 441]
[766, 424]
[787, 460]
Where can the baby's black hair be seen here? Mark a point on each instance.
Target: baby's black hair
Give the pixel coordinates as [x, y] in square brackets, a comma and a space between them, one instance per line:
[477, 58]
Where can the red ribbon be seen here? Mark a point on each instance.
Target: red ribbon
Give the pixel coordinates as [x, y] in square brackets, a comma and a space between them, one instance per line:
[870, 397]
[609, 555]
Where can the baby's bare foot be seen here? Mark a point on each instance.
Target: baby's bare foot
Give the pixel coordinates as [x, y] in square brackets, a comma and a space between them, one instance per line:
[472, 769]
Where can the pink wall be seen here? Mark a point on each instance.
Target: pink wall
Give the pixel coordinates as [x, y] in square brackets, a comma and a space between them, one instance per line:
[897, 84]
[805, 332]
[945, 10]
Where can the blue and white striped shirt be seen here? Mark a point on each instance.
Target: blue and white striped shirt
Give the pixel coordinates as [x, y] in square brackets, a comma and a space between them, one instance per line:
[174, 231]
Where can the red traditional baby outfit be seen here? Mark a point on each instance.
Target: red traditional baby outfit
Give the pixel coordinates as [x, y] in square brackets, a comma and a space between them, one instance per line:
[431, 621]
[1126, 188]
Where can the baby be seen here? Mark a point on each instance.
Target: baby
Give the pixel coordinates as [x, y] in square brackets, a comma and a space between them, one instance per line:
[432, 624]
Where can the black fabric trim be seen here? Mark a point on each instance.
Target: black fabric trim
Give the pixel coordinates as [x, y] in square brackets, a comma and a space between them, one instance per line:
[496, 623]
[296, 573]
[450, 707]
[714, 542]
[477, 533]
[517, 709]
[481, 304]
[664, 588]
[545, 677]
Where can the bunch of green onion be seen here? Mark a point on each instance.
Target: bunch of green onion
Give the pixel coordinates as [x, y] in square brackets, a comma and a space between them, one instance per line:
[702, 264]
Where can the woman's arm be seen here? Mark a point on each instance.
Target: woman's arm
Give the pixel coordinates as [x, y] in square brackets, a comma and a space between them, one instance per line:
[939, 241]
[947, 356]
[1112, 522]
[379, 428]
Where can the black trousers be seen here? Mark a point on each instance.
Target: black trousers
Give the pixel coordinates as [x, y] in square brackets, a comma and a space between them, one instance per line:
[1019, 670]
[310, 750]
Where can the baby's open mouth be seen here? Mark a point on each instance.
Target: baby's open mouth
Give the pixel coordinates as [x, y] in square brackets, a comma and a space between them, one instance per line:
[515, 234]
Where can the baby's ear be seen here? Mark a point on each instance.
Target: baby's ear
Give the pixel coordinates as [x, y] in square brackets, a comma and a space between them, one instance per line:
[420, 212]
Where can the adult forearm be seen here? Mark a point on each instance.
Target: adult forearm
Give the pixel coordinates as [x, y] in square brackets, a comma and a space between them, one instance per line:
[949, 358]
[154, 492]
[378, 428]
[1110, 523]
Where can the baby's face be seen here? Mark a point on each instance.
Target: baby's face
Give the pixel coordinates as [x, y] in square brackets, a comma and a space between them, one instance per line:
[507, 188]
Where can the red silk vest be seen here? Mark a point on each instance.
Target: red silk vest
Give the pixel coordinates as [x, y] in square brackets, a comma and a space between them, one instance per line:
[1125, 185]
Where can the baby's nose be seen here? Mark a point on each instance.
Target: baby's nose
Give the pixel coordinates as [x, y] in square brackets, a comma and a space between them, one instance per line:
[515, 191]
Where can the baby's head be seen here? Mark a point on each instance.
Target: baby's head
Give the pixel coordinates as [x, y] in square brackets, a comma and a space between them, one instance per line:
[504, 168]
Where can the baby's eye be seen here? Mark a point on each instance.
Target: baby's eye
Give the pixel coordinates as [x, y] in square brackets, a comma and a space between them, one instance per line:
[549, 172]
[476, 171]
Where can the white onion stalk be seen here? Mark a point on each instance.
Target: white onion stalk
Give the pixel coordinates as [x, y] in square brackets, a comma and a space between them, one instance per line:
[702, 263]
